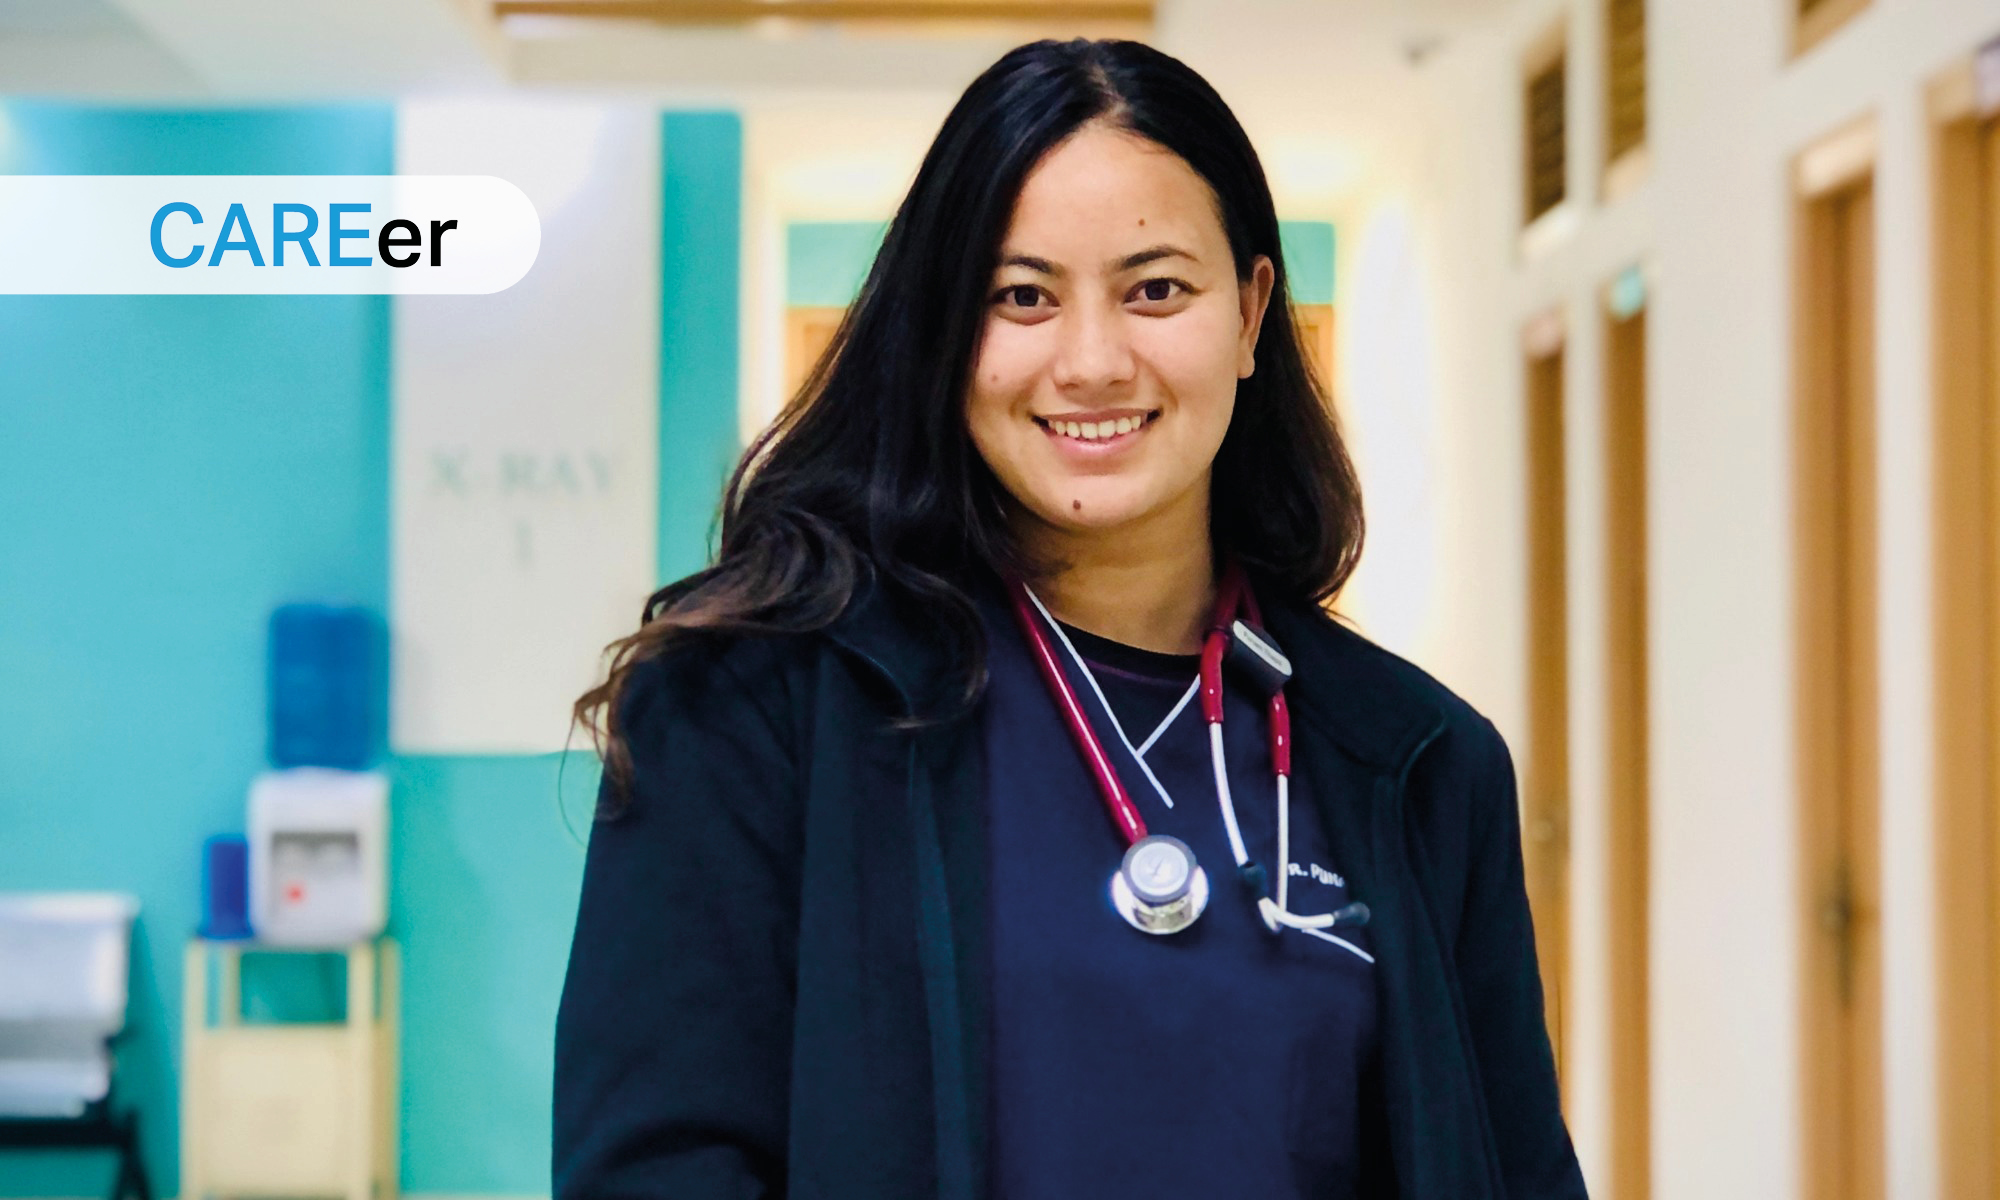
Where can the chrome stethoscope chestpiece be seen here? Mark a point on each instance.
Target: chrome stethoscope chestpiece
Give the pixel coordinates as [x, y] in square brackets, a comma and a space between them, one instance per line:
[1158, 888]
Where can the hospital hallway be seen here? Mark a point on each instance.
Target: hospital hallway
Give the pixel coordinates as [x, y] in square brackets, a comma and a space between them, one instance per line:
[1665, 335]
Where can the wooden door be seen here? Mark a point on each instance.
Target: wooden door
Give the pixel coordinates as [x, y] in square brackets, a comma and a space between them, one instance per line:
[1966, 557]
[1836, 696]
[1545, 766]
[808, 332]
[1626, 721]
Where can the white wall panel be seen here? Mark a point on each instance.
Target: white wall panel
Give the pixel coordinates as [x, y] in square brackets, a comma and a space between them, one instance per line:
[525, 468]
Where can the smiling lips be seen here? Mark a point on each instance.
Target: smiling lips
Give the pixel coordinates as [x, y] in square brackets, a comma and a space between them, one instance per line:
[1105, 427]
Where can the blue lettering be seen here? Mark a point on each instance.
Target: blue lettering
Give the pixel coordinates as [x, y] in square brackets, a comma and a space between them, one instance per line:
[236, 220]
[159, 248]
[280, 235]
[335, 233]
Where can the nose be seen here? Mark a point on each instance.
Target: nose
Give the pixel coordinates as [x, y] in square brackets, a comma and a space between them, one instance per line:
[1095, 351]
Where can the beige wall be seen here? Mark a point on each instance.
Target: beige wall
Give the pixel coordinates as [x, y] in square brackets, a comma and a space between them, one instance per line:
[1711, 225]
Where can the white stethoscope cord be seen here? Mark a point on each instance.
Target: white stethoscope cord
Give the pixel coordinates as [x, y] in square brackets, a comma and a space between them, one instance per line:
[1138, 755]
[1273, 912]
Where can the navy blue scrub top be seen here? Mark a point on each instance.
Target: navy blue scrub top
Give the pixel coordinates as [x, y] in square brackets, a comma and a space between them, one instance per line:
[1222, 1060]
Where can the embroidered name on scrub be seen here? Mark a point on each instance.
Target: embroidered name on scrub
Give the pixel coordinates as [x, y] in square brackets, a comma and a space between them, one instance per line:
[1316, 873]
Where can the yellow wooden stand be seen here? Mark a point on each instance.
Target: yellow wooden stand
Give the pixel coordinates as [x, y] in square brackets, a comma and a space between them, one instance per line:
[290, 1109]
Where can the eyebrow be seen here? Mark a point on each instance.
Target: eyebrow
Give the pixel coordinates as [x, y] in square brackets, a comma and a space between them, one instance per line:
[1140, 259]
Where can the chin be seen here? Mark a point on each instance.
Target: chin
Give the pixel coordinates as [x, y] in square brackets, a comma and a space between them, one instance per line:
[1097, 513]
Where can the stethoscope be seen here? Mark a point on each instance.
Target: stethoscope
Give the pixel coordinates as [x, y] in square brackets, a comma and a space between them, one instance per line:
[1158, 887]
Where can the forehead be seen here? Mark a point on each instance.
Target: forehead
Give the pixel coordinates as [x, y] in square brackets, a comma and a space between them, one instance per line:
[1085, 201]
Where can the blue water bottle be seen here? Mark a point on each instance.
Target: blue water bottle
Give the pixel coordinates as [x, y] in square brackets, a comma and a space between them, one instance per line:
[225, 888]
[328, 686]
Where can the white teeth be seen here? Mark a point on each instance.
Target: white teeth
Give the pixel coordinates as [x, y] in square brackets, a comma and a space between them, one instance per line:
[1092, 431]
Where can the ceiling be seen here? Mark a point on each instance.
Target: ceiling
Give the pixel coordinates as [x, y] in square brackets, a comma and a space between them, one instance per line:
[1321, 84]
[253, 49]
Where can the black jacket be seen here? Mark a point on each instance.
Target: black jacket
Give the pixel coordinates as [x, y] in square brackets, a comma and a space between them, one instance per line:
[777, 989]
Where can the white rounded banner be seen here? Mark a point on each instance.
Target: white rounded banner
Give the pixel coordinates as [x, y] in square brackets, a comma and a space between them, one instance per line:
[264, 234]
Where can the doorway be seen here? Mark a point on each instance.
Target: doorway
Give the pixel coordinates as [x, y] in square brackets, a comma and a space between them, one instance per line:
[1835, 588]
[1626, 719]
[1966, 557]
[1545, 767]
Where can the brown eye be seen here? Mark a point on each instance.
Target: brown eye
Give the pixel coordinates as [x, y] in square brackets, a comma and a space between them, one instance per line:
[1157, 290]
[1022, 295]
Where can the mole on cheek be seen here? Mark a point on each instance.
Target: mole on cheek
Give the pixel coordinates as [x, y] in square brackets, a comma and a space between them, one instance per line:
[1076, 506]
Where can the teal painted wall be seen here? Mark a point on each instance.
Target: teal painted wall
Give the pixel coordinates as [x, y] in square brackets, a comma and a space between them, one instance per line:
[827, 261]
[701, 219]
[1309, 250]
[173, 467]
[487, 862]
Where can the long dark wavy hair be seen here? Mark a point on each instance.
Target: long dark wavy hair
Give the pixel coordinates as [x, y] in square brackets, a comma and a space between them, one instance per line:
[870, 473]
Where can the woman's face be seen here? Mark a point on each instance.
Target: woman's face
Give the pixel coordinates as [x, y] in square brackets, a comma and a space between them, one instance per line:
[1115, 333]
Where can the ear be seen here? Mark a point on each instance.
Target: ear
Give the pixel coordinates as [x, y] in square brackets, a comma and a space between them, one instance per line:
[1254, 296]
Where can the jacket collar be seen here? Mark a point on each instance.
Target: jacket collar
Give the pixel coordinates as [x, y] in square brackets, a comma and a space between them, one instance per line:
[1373, 705]
[882, 628]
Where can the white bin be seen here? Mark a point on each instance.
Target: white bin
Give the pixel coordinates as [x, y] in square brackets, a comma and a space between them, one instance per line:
[64, 969]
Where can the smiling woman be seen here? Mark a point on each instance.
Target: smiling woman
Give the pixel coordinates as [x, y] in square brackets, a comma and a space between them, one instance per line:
[854, 921]
[1103, 388]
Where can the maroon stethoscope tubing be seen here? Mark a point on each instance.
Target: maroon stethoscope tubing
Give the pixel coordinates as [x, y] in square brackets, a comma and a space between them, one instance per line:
[1281, 716]
[1233, 593]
